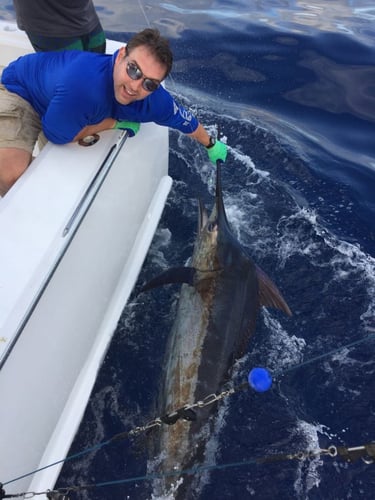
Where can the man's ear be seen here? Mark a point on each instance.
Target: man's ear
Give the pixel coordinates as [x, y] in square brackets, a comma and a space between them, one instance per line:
[121, 54]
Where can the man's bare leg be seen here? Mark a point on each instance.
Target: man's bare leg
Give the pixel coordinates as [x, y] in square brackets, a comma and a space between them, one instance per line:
[13, 163]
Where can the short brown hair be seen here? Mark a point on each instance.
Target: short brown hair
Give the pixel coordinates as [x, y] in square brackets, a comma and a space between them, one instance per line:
[157, 45]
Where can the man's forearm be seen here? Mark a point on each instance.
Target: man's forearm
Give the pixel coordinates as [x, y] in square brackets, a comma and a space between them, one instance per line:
[201, 135]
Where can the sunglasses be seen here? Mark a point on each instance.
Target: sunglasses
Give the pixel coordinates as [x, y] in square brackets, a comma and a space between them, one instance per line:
[136, 74]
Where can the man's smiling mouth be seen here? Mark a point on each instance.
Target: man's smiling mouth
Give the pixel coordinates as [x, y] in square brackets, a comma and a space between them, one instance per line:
[128, 91]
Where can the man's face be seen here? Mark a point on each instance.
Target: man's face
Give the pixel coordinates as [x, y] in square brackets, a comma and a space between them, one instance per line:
[127, 89]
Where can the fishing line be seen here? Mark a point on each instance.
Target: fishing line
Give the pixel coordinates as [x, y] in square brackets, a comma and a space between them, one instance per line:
[157, 422]
[282, 372]
[148, 22]
[170, 76]
[364, 452]
[144, 13]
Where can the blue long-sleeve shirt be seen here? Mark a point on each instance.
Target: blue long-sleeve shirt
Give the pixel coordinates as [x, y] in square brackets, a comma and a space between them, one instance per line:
[73, 89]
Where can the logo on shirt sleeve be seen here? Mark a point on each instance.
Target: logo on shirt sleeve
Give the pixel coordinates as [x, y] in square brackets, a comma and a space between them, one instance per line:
[184, 113]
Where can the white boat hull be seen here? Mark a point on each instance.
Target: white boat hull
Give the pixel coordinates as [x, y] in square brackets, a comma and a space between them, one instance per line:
[64, 281]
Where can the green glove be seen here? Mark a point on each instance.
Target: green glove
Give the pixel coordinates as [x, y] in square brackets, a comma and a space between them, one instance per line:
[131, 127]
[217, 152]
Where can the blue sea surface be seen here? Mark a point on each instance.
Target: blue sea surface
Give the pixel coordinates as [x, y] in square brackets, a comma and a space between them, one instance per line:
[290, 86]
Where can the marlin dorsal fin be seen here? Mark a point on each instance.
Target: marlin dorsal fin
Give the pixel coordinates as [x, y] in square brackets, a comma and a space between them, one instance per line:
[269, 295]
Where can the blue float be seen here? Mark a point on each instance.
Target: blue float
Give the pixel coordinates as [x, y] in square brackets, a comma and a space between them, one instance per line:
[260, 379]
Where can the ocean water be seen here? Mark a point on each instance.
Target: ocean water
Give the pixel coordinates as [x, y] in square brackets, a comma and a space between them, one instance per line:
[290, 86]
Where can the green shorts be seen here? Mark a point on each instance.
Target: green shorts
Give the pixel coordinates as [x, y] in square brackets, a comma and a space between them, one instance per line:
[19, 123]
[93, 42]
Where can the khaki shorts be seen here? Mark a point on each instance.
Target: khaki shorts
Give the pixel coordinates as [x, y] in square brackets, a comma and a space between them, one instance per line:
[19, 123]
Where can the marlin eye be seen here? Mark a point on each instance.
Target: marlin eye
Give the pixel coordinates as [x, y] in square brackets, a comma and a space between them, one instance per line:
[211, 227]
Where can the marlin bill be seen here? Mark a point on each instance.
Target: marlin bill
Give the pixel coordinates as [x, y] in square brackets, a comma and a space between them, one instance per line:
[222, 292]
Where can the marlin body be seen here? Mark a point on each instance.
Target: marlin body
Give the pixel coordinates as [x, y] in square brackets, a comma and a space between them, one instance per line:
[222, 292]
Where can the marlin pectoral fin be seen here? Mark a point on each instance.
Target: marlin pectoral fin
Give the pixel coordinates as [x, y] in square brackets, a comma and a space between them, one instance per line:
[172, 275]
[269, 295]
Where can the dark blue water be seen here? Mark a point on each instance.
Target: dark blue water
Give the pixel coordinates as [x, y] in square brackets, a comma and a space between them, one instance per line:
[291, 88]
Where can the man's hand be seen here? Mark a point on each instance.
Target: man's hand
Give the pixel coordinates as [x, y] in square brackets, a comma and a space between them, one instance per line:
[217, 152]
[131, 127]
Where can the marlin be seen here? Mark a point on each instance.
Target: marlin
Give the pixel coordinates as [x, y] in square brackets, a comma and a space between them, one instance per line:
[222, 292]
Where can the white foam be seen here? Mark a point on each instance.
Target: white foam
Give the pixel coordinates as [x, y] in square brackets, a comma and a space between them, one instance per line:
[302, 234]
[286, 350]
[308, 476]
[162, 240]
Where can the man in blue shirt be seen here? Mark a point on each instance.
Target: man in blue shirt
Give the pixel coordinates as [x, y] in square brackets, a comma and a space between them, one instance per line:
[72, 94]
